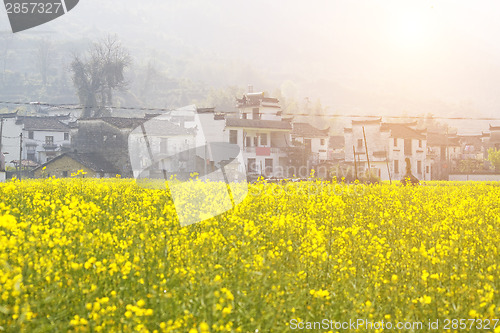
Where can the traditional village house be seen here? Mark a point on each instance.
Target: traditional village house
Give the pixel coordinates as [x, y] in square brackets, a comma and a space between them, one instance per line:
[336, 148]
[261, 133]
[70, 164]
[493, 139]
[160, 148]
[315, 143]
[44, 138]
[108, 137]
[443, 152]
[9, 137]
[389, 144]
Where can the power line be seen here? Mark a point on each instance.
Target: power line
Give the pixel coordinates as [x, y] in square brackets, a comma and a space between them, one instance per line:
[79, 107]
[394, 117]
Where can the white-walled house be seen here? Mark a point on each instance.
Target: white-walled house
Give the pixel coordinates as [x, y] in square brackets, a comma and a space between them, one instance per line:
[261, 133]
[263, 144]
[316, 141]
[256, 106]
[492, 140]
[44, 138]
[443, 150]
[389, 144]
[10, 132]
[160, 148]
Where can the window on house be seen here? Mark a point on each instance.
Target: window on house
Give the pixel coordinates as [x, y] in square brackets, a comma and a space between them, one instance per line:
[49, 140]
[255, 113]
[65, 174]
[419, 166]
[248, 142]
[395, 142]
[66, 136]
[31, 135]
[263, 139]
[396, 166]
[427, 169]
[360, 143]
[269, 166]
[322, 142]
[252, 165]
[233, 137]
[255, 141]
[244, 115]
[408, 147]
[419, 143]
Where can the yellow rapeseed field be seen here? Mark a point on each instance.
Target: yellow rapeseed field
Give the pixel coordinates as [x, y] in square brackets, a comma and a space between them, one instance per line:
[110, 256]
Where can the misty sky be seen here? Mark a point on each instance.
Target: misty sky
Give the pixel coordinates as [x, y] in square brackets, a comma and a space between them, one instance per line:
[392, 56]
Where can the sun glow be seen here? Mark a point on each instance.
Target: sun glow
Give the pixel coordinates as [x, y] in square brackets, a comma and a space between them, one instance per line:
[411, 30]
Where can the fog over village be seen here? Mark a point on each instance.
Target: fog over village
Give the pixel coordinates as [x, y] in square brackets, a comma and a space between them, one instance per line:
[298, 80]
[377, 58]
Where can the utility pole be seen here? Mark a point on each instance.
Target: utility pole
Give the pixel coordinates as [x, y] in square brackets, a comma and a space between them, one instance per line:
[388, 170]
[20, 156]
[367, 157]
[205, 161]
[355, 165]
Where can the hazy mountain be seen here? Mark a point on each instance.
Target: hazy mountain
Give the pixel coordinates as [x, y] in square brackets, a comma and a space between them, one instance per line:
[366, 57]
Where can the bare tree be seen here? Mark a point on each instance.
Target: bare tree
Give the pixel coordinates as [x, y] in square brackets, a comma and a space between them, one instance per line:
[44, 55]
[99, 75]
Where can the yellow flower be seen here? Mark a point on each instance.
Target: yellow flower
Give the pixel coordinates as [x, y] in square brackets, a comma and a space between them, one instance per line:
[425, 299]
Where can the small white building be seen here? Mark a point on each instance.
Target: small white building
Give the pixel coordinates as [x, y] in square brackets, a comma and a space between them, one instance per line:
[493, 139]
[10, 137]
[316, 141]
[389, 144]
[159, 148]
[44, 138]
[443, 152]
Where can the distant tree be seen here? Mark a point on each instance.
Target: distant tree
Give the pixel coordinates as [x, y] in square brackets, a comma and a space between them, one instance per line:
[494, 158]
[99, 75]
[44, 56]
[431, 124]
[288, 93]
[223, 99]
[470, 165]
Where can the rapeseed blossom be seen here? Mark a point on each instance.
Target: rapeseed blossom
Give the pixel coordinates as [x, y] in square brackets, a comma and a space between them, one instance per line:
[86, 255]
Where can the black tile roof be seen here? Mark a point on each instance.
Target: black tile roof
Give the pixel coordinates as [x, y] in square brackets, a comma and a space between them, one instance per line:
[440, 139]
[307, 130]
[402, 131]
[93, 161]
[120, 122]
[42, 123]
[367, 121]
[8, 115]
[250, 123]
[163, 127]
